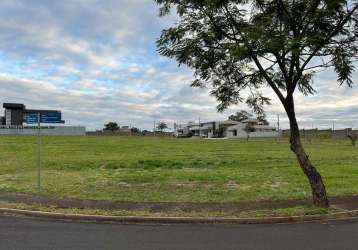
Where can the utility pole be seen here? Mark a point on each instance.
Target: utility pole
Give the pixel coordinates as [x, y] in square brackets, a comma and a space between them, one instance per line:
[278, 127]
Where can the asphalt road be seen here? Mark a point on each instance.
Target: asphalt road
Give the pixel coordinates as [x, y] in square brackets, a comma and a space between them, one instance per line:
[24, 233]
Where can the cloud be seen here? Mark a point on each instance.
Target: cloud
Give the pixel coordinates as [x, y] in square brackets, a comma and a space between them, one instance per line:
[97, 62]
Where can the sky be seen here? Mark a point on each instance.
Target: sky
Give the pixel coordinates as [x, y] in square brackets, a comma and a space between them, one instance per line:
[96, 60]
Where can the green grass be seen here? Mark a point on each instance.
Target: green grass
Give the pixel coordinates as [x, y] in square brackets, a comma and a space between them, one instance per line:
[169, 169]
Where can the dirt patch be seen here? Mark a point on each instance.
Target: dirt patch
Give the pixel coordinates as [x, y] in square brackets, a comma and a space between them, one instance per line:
[347, 202]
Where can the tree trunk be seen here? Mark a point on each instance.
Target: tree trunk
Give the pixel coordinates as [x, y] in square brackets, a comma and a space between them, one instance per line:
[317, 186]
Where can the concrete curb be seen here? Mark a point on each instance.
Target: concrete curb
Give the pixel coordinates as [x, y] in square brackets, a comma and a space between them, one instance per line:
[178, 220]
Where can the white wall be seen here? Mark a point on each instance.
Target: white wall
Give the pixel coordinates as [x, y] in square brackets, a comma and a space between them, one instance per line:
[242, 134]
[254, 134]
[60, 130]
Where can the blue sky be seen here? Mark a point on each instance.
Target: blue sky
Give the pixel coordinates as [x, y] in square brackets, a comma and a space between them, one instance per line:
[96, 61]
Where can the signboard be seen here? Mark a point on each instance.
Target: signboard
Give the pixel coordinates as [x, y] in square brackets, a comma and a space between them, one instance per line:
[31, 118]
[51, 117]
[45, 117]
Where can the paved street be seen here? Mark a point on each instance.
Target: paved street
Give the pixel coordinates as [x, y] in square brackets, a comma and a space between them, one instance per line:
[24, 233]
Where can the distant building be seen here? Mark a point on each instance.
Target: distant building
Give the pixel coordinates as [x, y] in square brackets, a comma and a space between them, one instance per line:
[21, 121]
[16, 114]
[225, 129]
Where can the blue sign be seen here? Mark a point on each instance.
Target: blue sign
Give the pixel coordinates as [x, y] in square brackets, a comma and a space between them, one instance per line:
[45, 117]
[51, 117]
[31, 118]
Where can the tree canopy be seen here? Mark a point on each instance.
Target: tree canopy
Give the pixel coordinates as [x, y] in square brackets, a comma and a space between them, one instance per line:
[243, 115]
[246, 45]
[262, 119]
[240, 116]
[135, 130]
[162, 126]
[112, 126]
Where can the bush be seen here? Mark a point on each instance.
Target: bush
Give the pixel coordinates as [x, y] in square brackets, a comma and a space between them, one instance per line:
[353, 138]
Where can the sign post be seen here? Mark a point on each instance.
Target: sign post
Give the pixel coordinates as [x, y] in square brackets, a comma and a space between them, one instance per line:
[41, 116]
[39, 152]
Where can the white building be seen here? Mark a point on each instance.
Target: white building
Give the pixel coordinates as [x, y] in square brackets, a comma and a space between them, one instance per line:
[225, 129]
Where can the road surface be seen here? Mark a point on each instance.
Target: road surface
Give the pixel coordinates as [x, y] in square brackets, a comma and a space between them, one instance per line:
[25, 233]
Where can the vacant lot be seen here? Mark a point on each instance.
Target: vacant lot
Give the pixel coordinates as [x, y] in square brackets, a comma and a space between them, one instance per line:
[168, 169]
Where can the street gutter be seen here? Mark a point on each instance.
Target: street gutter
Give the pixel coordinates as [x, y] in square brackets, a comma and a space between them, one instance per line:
[349, 215]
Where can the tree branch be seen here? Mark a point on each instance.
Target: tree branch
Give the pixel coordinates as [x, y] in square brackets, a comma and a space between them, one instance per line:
[329, 37]
[255, 59]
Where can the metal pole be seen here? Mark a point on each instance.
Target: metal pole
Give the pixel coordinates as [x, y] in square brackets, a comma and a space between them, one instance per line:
[154, 128]
[39, 152]
[199, 128]
[278, 127]
[278, 122]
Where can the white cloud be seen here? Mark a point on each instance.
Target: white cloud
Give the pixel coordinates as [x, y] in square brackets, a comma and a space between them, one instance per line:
[96, 60]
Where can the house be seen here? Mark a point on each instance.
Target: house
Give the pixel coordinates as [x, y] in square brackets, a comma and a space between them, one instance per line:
[260, 129]
[225, 129]
[214, 129]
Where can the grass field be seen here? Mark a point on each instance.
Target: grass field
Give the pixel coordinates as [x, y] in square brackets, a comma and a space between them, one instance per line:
[169, 169]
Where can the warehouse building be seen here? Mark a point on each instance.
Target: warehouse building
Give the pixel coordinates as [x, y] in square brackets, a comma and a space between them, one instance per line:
[16, 114]
[19, 120]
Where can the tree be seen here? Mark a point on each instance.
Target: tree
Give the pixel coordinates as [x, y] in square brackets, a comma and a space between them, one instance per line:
[262, 119]
[249, 128]
[243, 115]
[135, 130]
[112, 126]
[240, 116]
[353, 137]
[162, 126]
[146, 132]
[236, 45]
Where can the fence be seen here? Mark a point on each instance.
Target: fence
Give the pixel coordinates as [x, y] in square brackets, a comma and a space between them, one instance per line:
[322, 132]
[45, 130]
[128, 133]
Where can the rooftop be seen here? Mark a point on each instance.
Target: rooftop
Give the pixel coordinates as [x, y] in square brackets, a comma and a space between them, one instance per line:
[13, 106]
[250, 120]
